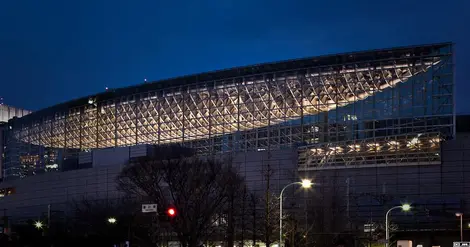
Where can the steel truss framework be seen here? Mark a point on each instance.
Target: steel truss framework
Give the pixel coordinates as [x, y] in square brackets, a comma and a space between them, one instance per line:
[316, 102]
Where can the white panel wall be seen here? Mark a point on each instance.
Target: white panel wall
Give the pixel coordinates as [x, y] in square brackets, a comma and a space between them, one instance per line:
[8, 112]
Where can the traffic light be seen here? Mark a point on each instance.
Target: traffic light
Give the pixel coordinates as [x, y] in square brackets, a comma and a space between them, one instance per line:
[171, 212]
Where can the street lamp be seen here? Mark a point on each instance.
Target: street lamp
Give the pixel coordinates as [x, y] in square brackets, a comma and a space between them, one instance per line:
[305, 183]
[404, 207]
[461, 225]
[112, 220]
[38, 224]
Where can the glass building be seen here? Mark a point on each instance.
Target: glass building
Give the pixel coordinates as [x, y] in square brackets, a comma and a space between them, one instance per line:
[381, 107]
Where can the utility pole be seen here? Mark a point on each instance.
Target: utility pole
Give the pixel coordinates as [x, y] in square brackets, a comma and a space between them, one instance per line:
[48, 217]
[347, 196]
[5, 221]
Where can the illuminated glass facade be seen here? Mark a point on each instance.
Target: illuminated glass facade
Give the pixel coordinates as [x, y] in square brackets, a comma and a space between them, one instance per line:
[352, 109]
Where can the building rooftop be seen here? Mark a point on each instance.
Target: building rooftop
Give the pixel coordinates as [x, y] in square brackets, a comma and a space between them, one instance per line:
[333, 61]
[8, 112]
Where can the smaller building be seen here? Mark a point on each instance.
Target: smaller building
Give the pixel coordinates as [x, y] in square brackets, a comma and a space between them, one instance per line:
[7, 113]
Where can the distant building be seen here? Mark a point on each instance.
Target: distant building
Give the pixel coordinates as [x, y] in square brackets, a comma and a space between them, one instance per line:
[7, 113]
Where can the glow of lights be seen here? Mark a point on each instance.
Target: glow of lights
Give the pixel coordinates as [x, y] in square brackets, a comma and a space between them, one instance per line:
[393, 143]
[306, 183]
[38, 224]
[336, 149]
[171, 212]
[350, 117]
[458, 214]
[354, 148]
[374, 146]
[54, 166]
[435, 140]
[316, 150]
[112, 220]
[413, 143]
[200, 129]
[406, 207]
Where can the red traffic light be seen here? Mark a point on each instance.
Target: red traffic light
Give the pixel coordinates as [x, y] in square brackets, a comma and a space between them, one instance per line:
[171, 212]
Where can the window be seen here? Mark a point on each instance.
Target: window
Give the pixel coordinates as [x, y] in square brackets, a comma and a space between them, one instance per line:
[6, 192]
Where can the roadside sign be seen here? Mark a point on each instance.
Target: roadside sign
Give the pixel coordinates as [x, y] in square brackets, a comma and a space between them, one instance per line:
[149, 208]
[369, 227]
[461, 244]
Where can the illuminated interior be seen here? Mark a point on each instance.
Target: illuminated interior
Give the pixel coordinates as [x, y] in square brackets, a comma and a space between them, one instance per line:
[344, 99]
[423, 148]
[206, 112]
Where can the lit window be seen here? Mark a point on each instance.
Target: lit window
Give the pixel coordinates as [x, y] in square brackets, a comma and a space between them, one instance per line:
[350, 117]
[6, 192]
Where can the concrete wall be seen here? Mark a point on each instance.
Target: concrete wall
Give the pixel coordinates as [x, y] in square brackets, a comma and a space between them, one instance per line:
[33, 194]
[254, 167]
[425, 184]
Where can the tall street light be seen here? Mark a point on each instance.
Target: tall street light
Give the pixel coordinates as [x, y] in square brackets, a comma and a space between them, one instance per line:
[404, 207]
[112, 220]
[38, 224]
[306, 183]
[461, 225]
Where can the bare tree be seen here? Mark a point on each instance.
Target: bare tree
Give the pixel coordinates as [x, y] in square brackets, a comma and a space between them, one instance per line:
[237, 216]
[253, 208]
[199, 189]
[327, 213]
[263, 212]
[242, 221]
[293, 234]
[270, 218]
[90, 219]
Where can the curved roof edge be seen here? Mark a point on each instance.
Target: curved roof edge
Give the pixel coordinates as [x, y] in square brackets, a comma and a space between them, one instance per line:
[250, 70]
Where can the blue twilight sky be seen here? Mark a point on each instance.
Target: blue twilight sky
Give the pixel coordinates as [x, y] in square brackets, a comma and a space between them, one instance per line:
[53, 51]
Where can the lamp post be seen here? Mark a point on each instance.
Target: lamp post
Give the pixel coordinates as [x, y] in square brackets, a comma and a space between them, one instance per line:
[38, 224]
[404, 207]
[112, 220]
[461, 225]
[305, 184]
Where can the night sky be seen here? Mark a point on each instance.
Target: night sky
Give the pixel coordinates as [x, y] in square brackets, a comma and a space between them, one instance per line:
[52, 51]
